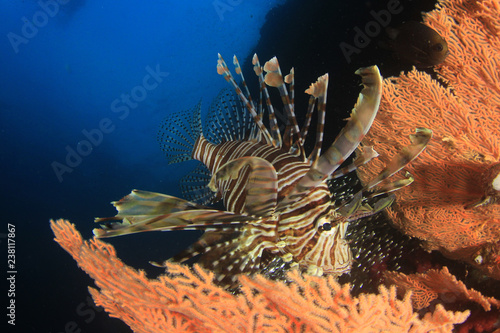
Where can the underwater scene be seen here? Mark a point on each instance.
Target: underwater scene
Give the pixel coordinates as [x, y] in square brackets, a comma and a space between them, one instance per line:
[250, 166]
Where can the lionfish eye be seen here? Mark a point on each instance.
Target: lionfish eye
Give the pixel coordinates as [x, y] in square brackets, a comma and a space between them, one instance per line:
[327, 226]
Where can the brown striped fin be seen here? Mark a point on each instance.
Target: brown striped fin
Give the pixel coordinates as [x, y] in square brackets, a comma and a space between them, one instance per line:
[349, 138]
[261, 188]
[237, 69]
[318, 91]
[393, 186]
[366, 155]
[222, 69]
[419, 141]
[150, 203]
[178, 134]
[275, 132]
[367, 210]
[307, 122]
[181, 220]
[274, 78]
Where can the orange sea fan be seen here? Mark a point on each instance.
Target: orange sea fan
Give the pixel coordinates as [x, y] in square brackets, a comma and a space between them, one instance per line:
[454, 203]
[186, 300]
[434, 283]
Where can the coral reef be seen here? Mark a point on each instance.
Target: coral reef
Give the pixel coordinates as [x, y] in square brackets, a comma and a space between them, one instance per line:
[434, 284]
[453, 204]
[187, 300]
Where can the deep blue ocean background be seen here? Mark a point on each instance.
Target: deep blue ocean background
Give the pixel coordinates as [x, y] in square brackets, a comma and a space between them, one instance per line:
[71, 143]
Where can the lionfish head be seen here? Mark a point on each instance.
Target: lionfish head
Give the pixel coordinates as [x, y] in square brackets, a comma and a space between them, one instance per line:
[329, 252]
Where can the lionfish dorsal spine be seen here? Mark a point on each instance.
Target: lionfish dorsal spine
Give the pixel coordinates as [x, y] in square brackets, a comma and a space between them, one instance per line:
[318, 91]
[264, 93]
[238, 71]
[419, 141]
[222, 69]
[309, 113]
[347, 141]
[274, 78]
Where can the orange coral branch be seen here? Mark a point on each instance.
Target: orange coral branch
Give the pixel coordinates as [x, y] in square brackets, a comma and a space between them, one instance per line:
[186, 300]
[463, 158]
[434, 283]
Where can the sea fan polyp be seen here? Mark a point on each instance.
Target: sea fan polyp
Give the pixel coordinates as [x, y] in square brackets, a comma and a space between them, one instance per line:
[279, 212]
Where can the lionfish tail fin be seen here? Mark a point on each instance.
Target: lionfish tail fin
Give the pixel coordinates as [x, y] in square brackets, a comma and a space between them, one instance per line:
[178, 134]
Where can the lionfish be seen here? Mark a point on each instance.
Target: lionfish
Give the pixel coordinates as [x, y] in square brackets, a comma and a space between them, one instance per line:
[278, 204]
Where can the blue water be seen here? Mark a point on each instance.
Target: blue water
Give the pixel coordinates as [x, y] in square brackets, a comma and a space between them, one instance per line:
[58, 81]
[83, 90]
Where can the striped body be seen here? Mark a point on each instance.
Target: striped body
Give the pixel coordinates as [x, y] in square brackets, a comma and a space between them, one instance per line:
[279, 212]
[296, 224]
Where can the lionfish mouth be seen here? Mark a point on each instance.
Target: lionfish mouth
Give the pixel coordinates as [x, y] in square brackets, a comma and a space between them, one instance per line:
[279, 211]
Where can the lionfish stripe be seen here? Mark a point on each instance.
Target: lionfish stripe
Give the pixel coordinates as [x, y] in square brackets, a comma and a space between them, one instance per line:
[290, 79]
[206, 243]
[261, 184]
[419, 141]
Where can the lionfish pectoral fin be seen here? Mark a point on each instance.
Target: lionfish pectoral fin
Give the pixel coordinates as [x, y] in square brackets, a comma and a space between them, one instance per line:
[149, 203]
[383, 203]
[194, 186]
[366, 154]
[393, 186]
[351, 206]
[201, 219]
[367, 210]
[349, 138]
[261, 188]
[419, 141]
[209, 241]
